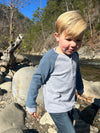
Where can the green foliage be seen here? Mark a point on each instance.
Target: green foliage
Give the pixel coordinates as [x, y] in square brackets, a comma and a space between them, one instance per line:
[20, 16]
[37, 16]
[97, 26]
[5, 37]
[47, 17]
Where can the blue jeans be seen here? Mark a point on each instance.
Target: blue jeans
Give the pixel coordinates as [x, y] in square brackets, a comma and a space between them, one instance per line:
[63, 122]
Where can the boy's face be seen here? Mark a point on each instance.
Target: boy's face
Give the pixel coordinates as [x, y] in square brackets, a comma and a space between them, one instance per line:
[67, 45]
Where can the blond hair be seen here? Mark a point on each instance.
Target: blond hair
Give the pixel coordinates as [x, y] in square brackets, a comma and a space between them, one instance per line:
[71, 22]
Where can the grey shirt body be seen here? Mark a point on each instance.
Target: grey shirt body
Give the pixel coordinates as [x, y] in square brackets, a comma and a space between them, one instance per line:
[60, 76]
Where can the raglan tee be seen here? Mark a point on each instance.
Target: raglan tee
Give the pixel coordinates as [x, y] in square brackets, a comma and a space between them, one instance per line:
[60, 76]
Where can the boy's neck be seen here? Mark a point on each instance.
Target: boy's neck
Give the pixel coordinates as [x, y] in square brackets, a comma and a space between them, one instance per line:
[58, 50]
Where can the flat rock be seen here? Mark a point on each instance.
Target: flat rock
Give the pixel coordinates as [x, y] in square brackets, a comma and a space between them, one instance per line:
[91, 89]
[13, 130]
[13, 116]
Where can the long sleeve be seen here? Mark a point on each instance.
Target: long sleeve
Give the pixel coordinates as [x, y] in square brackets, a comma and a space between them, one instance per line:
[39, 78]
[79, 82]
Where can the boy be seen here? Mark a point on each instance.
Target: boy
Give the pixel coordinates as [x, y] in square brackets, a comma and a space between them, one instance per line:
[59, 72]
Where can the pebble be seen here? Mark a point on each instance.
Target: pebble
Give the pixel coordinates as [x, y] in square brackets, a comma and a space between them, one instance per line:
[77, 105]
[51, 130]
[94, 129]
[46, 119]
[2, 69]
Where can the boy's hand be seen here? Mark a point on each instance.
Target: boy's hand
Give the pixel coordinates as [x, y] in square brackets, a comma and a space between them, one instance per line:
[88, 99]
[80, 96]
[35, 115]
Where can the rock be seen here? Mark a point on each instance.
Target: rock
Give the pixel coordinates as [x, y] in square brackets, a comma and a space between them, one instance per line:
[4, 63]
[97, 55]
[19, 58]
[12, 117]
[6, 86]
[46, 119]
[2, 69]
[86, 52]
[91, 89]
[93, 129]
[51, 130]
[20, 85]
[13, 130]
[4, 58]
[77, 105]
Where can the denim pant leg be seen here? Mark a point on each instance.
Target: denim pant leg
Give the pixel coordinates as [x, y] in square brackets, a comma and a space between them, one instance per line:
[63, 122]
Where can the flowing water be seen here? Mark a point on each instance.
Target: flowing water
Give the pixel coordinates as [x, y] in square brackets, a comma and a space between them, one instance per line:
[90, 69]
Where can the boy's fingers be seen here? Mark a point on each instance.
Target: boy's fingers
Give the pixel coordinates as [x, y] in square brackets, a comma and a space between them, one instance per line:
[36, 115]
[89, 99]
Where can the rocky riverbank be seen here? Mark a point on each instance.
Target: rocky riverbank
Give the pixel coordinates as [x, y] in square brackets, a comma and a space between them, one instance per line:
[87, 53]
[28, 124]
[13, 117]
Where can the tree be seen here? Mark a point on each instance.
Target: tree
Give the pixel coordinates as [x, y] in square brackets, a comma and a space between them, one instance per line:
[12, 5]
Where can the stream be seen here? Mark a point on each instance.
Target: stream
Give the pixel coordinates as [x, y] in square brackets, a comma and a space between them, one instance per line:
[90, 69]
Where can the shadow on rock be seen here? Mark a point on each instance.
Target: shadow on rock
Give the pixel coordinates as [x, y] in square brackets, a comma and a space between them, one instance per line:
[31, 131]
[3, 91]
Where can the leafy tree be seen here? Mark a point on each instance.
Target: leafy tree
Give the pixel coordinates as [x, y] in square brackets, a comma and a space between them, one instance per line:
[12, 5]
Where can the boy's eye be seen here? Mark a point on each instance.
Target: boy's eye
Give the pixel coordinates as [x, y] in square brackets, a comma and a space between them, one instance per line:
[69, 39]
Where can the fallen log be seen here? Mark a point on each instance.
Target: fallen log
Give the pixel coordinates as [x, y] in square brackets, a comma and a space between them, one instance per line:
[8, 57]
[8, 54]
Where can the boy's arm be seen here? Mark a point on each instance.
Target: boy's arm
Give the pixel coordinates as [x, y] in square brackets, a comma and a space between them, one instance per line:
[39, 78]
[36, 83]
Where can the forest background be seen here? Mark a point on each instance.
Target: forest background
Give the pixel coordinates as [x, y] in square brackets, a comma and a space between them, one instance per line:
[39, 32]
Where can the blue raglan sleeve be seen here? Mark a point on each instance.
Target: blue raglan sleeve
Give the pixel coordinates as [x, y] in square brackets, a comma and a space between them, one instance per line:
[79, 82]
[39, 78]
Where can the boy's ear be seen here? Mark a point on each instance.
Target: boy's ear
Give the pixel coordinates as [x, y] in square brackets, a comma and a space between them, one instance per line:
[56, 36]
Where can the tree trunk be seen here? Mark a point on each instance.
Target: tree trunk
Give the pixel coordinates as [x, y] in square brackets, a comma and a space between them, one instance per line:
[11, 24]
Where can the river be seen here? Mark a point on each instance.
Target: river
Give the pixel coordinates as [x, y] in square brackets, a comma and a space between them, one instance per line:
[90, 69]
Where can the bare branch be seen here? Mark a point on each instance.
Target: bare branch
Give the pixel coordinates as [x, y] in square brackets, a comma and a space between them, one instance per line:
[12, 4]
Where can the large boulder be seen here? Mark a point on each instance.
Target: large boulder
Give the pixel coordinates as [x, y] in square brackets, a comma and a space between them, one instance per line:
[12, 118]
[13, 130]
[92, 89]
[20, 85]
[6, 86]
